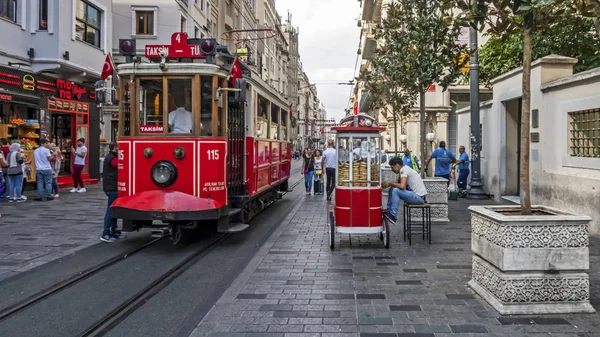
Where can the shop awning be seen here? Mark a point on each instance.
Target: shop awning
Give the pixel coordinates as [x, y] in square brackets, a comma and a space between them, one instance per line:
[20, 99]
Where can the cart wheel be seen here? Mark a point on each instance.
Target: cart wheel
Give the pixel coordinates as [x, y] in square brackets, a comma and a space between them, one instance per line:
[331, 230]
[386, 234]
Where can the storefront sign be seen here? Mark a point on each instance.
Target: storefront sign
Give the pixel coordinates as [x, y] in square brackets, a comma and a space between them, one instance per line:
[151, 129]
[63, 105]
[22, 82]
[5, 97]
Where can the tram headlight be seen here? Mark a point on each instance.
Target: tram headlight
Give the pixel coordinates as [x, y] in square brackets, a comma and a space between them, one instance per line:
[163, 173]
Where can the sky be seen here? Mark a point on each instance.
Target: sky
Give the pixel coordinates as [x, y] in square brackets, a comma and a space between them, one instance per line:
[329, 38]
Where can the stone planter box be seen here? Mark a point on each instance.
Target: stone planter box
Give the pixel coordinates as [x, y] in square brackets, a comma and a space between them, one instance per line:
[531, 264]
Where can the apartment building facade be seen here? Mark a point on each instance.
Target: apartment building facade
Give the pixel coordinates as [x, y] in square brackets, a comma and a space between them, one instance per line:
[50, 58]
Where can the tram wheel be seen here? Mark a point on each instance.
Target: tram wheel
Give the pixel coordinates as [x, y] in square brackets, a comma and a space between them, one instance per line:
[386, 234]
[331, 230]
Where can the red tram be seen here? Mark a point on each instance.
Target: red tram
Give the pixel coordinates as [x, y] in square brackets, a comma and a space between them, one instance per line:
[194, 150]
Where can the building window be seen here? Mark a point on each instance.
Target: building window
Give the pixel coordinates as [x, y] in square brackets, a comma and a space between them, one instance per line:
[8, 10]
[43, 15]
[144, 22]
[182, 25]
[584, 133]
[87, 25]
[196, 32]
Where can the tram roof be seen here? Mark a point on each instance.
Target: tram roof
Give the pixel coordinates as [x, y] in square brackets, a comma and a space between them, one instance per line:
[190, 68]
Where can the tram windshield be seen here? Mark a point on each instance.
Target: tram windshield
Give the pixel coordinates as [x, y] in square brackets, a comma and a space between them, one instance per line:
[174, 106]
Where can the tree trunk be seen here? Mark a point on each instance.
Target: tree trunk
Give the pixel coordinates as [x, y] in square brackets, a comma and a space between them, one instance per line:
[525, 124]
[395, 133]
[596, 3]
[423, 125]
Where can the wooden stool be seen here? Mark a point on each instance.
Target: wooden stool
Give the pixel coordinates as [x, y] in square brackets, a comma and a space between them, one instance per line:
[425, 227]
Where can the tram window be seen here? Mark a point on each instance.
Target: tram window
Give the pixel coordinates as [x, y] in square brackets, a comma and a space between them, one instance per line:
[206, 101]
[375, 151]
[151, 106]
[274, 120]
[180, 117]
[343, 170]
[283, 128]
[261, 120]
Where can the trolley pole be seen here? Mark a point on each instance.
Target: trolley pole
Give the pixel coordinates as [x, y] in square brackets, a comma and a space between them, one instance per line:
[476, 191]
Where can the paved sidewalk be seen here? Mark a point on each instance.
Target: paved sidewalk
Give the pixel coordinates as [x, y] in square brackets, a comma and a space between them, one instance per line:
[296, 287]
[34, 233]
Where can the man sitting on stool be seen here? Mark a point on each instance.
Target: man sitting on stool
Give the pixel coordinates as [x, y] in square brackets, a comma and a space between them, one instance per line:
[410, 188]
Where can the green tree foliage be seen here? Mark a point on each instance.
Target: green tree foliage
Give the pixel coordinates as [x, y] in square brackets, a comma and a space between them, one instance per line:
[573, 37]
[418, 47]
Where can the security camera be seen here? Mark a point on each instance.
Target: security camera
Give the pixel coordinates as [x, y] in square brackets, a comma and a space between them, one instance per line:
[163, 53]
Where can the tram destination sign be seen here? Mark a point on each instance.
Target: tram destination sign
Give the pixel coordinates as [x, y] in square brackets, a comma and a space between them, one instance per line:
[179, 48]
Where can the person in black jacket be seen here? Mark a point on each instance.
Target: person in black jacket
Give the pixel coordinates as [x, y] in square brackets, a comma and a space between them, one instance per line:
[109, 186]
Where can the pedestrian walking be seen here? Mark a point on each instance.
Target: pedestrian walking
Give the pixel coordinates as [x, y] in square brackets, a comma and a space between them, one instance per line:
[443, 160]
[43, 170]
[318, 173]
[109, 186]
[409, 188]
[308, 170]
[330, 156]
[15, 173]
[5, 151]
[463, 173]
[78, 165]
[3, 167]
[55, 168]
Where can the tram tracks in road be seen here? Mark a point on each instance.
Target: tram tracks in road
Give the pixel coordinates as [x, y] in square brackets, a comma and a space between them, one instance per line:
[41, 295]
[112, 319]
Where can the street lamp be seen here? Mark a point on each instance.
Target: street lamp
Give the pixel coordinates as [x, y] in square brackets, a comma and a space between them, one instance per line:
[476, 191]
[403, 139]
[430, 137]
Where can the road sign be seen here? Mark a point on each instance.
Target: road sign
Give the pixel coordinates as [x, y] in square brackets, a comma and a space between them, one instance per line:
[179, 48]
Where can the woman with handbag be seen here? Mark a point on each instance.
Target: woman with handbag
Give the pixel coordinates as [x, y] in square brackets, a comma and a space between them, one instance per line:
[318, 172]
[308, 170]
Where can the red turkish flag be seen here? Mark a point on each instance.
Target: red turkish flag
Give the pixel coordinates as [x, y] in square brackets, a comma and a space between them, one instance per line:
[236, 71]
[291, 110]
[356, 108]
[108, 68]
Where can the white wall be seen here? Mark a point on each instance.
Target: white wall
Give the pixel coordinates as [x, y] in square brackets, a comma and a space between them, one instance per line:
[557, 179]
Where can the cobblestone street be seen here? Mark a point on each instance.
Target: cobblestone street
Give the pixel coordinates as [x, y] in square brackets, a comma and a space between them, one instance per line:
[34, 233]
[296, 287]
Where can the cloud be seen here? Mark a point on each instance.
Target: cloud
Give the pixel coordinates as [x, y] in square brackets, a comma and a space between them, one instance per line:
[329, 40]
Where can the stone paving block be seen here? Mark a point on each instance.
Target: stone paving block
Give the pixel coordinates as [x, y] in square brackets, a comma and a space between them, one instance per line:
[357, 286]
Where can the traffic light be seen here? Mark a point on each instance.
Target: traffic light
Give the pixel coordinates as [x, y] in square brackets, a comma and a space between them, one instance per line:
[99, 86]
[127, 47]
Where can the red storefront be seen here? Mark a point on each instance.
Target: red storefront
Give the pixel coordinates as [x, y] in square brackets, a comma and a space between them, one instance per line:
[36, 106]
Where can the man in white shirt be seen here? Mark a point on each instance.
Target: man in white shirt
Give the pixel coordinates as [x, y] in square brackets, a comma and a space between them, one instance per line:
[410, 188]
[78, 165]
[43, 170]
[180, 120]
[330, 166]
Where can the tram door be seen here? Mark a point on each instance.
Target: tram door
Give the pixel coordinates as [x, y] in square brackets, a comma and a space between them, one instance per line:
[235, 124]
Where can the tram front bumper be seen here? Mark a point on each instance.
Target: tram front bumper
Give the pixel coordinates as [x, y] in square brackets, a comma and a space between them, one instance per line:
[166, 206]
